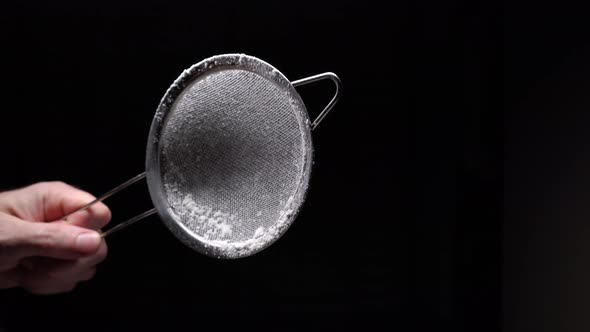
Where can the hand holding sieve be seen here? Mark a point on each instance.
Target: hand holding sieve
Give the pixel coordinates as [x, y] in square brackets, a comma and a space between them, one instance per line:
[229, 156]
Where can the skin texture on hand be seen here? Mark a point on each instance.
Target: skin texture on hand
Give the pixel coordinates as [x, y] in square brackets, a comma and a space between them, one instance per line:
[41, 253]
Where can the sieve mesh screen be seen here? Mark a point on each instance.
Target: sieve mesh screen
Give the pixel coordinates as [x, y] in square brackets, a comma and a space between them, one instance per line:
[232, 156]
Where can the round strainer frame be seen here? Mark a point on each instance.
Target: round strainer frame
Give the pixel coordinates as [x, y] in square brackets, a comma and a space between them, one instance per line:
[153, 149]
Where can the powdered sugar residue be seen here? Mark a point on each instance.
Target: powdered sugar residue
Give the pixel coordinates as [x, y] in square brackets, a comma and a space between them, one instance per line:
[261, 238]
[215, 228]
[204, 220]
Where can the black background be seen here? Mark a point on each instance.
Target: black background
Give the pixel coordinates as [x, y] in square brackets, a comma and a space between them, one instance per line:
[546, 249]
[401, 229]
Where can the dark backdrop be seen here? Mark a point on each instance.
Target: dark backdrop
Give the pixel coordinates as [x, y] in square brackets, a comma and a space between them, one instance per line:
[401, 228]
[546, 247]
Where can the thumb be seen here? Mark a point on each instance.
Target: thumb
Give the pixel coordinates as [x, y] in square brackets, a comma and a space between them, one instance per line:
[57, 240]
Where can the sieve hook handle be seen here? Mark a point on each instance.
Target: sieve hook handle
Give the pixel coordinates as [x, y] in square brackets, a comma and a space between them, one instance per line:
[337, 94]
[111, 193]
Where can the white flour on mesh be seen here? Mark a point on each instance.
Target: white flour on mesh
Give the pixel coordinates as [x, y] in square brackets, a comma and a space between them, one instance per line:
[262, 237]
[202, 219]
[216, 226]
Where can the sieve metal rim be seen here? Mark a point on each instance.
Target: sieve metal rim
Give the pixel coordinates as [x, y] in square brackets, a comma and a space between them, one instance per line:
[154, 181]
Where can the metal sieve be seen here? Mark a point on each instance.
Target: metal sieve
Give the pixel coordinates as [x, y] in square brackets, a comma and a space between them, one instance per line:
[229, 155]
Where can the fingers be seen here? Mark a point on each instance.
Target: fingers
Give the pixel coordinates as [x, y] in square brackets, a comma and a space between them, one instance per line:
[46, 286]
[46, 256]
[61, 199]
[38, 283]
[19, 239]
[50, 201]
[46, 276]
[72, 270]
[69, 270]
[58, 240]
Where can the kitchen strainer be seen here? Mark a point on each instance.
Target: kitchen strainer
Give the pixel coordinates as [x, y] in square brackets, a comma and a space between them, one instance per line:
[229, 155]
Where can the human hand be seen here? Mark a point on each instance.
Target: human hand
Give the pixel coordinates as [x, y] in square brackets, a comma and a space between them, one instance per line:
[40, 254]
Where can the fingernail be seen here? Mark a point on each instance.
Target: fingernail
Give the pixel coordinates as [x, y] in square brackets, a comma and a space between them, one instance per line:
[88, 242]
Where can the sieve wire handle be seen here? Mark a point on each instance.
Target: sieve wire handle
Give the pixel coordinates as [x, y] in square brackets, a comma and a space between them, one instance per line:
[111, 193]
[337, 94]
[129, 222]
